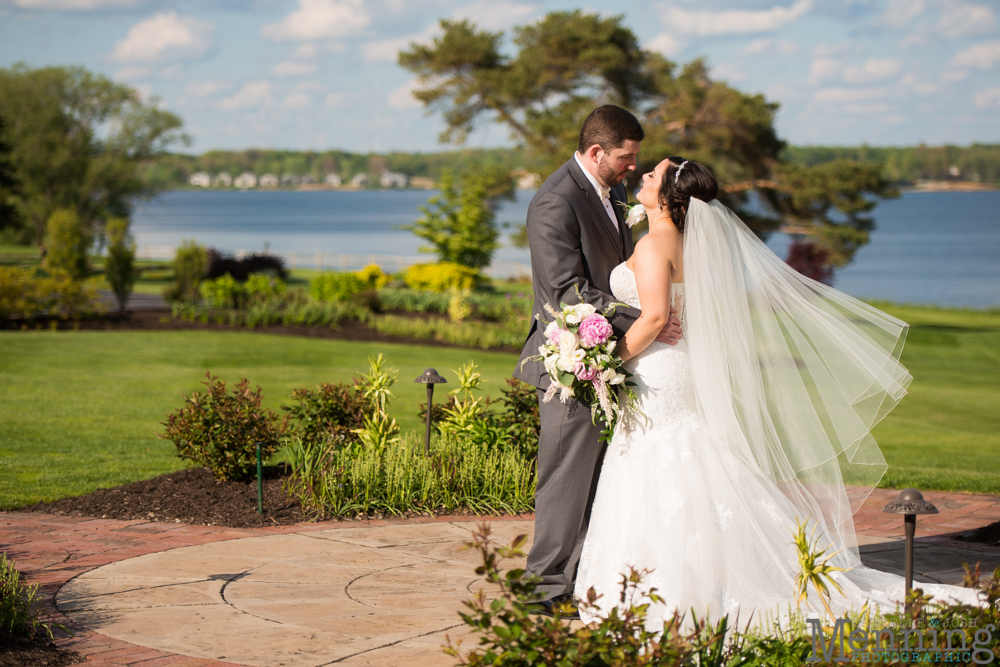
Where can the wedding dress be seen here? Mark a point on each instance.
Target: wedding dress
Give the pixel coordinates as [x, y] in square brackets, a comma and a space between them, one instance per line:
[706, 491]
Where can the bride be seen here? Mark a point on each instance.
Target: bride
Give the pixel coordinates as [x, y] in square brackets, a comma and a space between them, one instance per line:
[759, 419]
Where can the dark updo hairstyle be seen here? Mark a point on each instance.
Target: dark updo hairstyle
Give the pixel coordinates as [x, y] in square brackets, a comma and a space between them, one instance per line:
[695, 180]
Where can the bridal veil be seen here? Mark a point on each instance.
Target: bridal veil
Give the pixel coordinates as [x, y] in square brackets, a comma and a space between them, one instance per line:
[790, 374]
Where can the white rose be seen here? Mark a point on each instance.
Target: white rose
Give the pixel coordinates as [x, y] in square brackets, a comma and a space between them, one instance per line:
[618, 378]
[568, 342]
[579, 354]
[611, 345]
[565, 363]
[635, 215]
[576, 313]
[550, 364]
[608, 374]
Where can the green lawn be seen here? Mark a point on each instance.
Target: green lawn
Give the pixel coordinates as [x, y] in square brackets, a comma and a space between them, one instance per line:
[78, 410]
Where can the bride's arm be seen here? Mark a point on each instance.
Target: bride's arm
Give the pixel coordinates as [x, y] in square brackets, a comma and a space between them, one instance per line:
[653, 280]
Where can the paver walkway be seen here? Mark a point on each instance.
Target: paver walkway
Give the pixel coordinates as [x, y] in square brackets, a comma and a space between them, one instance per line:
[351, 593]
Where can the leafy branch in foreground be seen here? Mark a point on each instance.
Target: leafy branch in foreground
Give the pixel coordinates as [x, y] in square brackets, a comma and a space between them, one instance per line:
[19, 604]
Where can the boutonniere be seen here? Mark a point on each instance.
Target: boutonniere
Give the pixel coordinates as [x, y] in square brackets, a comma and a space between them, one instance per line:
[634, 213]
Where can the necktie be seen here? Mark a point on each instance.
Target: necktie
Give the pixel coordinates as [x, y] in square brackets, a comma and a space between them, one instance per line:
[605, 193]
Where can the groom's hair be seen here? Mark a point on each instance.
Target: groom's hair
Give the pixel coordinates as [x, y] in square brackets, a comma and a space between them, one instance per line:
[609, 127]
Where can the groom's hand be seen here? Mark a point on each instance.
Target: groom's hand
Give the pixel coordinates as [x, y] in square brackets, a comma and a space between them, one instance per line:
[671, 334]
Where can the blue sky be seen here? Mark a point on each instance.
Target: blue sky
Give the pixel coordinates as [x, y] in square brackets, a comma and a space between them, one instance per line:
[318, 74]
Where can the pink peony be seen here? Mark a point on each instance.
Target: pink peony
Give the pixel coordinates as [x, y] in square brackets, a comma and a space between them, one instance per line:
[594, 330]
[584, 372]
[554, 332]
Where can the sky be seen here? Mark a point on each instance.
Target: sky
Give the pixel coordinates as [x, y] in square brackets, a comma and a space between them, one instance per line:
[322, 74]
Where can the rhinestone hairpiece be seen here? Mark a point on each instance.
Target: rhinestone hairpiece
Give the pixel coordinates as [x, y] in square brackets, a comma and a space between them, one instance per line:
[678, 172]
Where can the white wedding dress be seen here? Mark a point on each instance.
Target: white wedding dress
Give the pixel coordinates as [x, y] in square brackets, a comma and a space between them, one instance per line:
[713, 529]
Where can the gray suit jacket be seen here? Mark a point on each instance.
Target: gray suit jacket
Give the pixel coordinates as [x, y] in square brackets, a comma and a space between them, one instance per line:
[572, 242]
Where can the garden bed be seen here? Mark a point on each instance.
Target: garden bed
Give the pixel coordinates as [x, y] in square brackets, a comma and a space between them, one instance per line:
[17, 651]
[161, 320]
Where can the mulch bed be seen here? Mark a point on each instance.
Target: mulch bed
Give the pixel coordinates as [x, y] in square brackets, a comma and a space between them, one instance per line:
[17, 651]
[161, 320]
[187, 496]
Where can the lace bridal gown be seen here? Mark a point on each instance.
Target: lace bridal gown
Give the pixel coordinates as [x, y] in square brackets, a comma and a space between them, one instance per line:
[710, 524]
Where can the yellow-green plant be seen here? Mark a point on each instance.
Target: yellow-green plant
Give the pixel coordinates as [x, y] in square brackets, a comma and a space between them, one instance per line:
[378, 431]
[66, 243]
[190, 265]
[19, 603]
[24, 295]
[464, 411]
[459, 307]
[813, 567]
[372, 277]
[440, 277]
[119, 264]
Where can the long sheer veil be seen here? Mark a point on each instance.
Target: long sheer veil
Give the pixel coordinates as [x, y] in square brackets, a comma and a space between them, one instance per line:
[789, 373]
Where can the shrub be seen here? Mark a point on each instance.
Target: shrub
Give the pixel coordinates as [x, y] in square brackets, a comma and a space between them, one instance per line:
[223, 292]
[260, 287]
[336, 286]
[372, 277]
[25, 295]
[220, 431]
[66, 244]
[329, 413]
[219, 264]
[119, 264]
[441, 277]
[190, 264]
[19, 604]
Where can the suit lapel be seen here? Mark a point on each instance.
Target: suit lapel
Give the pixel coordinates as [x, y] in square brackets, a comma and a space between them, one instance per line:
[600, 215]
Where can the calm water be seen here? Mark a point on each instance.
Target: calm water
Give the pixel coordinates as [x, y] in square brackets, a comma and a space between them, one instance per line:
[932, 248]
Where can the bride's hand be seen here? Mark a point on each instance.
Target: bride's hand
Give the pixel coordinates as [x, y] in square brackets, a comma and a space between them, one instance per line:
[671, 334]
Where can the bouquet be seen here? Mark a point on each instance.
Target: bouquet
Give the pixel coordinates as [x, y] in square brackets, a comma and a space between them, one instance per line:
[579, 358]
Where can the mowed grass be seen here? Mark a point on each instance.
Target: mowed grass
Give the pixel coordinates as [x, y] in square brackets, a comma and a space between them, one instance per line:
[78, 410]
[945, 435]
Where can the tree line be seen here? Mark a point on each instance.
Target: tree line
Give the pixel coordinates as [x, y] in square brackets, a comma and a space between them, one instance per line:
[907, 165]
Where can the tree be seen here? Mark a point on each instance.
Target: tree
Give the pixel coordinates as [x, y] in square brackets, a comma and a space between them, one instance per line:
[11, 224]
[66, 244]
[119, 264]
[77, 142]
[460, 222]
[568, 63]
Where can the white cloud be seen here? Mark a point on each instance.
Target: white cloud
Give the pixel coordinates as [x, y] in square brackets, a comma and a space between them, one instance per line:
[666, 44]
[206, 88]
[980, 56]
[767, 45]
[387, 50]
[76, 5]
[988, 99]
[165, 37]
[848, 95]
[728, 72]
[959, 19]
[297, 101]
[901, 12]
[335, 101]
[824, 69]
[494, 14]
[306, 51]
[319, 19]
[872, 70]
[292, 68]
[734, 21]
[132, 73]
[402, 97]
[253, 94]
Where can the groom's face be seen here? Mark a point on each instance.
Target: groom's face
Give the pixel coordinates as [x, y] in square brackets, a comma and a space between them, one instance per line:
[615, 165]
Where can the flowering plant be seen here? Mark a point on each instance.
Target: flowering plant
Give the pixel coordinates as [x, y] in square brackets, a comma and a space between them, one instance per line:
[579, 357]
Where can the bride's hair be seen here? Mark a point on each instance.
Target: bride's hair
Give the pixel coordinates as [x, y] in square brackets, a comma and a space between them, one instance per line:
[676, 190]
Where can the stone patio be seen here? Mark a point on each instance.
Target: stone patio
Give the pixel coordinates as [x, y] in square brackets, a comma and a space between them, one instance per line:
[351, 593]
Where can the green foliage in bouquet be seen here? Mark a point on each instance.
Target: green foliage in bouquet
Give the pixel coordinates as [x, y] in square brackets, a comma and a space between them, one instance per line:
[220, 430]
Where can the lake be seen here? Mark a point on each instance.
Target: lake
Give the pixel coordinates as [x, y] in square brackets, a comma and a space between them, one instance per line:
[940, 248]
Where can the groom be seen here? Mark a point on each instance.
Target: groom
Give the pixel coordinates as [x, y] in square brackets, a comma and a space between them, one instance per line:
[577, 235]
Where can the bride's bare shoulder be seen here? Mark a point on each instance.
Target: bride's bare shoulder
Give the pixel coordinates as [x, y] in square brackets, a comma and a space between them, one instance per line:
[660, 243]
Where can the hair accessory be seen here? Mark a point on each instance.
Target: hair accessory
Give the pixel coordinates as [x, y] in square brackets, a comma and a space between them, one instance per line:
[678, 172]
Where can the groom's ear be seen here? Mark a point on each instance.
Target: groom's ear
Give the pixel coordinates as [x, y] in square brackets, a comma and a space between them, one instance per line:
[594, 152]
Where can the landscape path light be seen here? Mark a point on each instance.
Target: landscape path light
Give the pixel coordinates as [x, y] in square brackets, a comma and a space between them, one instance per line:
[430, 378]
[910, 503]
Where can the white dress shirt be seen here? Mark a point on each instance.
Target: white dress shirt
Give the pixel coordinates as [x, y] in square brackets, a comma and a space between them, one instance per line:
[603, 191]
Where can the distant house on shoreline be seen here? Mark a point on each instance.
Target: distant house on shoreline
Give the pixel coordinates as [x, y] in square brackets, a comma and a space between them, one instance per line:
[245, 181]
[268, 181]
[359, 180]
[200, 179]
[223, 180]
[333, 180]
[393, 179]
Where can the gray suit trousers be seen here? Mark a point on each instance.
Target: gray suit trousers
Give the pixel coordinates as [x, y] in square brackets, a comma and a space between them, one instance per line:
[569, 464]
